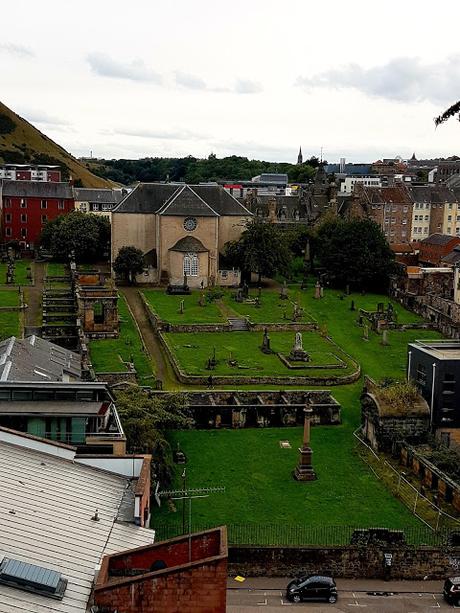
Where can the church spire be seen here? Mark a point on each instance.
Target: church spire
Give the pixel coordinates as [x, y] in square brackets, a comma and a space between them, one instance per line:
[300, 156]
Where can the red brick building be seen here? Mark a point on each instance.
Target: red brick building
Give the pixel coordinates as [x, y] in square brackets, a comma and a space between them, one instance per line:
[435, 247]
[26, 206]
[174, 576]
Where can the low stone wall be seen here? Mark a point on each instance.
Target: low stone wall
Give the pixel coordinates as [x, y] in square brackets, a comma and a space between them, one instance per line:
[284, 327]
[252, 380]
[348, 561]
[111, 378]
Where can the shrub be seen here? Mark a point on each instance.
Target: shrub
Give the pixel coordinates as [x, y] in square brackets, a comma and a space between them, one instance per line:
[7, 125]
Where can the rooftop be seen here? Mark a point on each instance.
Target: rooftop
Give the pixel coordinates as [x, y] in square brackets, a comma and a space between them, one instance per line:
[36, 189]
[439, 239]
[110, 196]
[35, 359]
[46, 509]
[439, 349]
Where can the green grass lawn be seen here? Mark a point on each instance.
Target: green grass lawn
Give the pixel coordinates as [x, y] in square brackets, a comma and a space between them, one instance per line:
[22, 270]
[256, 471]
[194, 349]
[272, 308]
[107, 354]
[9, 298]
[56, 269]
[168, 308]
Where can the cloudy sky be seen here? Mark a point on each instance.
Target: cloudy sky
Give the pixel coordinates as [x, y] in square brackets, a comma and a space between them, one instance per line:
[255, 78]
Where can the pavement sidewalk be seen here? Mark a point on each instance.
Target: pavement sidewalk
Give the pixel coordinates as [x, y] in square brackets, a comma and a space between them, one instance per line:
[344, 585]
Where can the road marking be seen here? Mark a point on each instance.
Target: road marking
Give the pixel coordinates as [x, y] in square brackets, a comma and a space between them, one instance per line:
[261, 604]
[286, 604]
[437, 605]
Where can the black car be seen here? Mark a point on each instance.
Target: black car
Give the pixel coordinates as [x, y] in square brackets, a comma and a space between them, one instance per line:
[451, 590]
[312, 587]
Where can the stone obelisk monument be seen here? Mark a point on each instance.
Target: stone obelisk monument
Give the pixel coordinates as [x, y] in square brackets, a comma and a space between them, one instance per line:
[304, 469]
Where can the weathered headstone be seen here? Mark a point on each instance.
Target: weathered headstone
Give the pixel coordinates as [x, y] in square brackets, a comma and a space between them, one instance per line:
[385, 337]
[202, 300]
[352, 306]
[298, 353]
[321, 291]
[284, 292]
[245, 290]
[317, 290]
[266, 343]
[365, 332]
[181, 307]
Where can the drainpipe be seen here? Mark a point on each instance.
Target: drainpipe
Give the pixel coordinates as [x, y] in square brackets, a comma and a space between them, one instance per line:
[409, 358]
[432, 394]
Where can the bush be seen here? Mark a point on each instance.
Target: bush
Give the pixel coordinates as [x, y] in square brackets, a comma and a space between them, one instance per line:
[399, 394]
[214, 293]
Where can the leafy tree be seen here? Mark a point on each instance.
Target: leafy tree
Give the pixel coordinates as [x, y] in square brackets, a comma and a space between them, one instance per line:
[129, 262]
[85, 235]
[146, 417]
[354, 252]
[262, 248]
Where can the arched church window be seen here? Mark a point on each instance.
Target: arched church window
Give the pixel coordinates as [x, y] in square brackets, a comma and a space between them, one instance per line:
[191, 264]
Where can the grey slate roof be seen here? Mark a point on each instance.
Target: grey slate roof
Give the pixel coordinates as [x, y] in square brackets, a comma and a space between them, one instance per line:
[182, 200]
[433, 194]
[36, 189]
[45, 519]
[103, 196]
[189, 244]
[453, 257]
[34, 359]
[187, 202]
[51, 407]
[438, 239]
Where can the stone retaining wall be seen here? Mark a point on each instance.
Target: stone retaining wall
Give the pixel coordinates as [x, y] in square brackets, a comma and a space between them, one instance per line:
[348, 561]
[111, 378]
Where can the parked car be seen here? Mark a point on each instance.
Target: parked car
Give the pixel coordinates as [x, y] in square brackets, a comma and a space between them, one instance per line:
[451, 590]
[312, 587]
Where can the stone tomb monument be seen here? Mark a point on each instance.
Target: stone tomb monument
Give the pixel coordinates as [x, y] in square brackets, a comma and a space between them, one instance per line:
[298, 353]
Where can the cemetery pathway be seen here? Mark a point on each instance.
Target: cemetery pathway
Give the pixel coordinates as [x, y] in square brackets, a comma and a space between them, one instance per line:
[33, 297]
[162, 369]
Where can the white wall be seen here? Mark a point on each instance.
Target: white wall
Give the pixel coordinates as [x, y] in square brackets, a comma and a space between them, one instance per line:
[127, 467]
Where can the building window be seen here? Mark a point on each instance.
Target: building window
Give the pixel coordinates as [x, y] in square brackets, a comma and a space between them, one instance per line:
[405, 209]
[44, 204]
[23, 203]
[191, 265]
[403, 233]
[95, 207]
[393, 220]
[404, 221]
[427, 217]
[23, 232]
[23, 218]
[44, 218]
[449, 230]
[425, 230]
[8, 218]
[7, 231]
[61, 204]
[7, 203]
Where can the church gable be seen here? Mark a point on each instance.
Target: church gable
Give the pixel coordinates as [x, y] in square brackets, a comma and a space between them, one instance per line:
[187, 203]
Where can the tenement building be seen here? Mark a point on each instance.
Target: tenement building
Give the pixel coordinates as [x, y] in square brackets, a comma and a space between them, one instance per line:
[181, 229]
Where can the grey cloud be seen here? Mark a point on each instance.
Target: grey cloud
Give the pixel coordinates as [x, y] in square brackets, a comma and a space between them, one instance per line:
[136, 70]
[189, 81]
[405, 79]
[159, 134]
[243, 86]
[16, 50]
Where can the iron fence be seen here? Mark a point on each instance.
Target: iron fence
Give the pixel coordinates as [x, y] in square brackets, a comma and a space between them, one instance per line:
[300, 535]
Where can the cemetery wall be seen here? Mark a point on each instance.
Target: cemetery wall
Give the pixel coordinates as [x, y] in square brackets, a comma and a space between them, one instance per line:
[353, 562]
[111, 378]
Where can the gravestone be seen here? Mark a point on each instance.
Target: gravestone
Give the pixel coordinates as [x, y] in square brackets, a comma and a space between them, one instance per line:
[385, 337]
[321, 291]
[181, 307]
[352, 307]
[202, 300]
[304, 283]
[239, 295]
[265, 347]
[298, 353]
[245, 290]
[284, 292]
[317, 290]
[365, 332]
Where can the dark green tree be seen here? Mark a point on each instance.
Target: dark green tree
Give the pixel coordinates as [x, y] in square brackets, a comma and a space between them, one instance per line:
[129, 262]
[262, 248]
[354, 252]
[83, 234]
[448, 113]
[146, 418]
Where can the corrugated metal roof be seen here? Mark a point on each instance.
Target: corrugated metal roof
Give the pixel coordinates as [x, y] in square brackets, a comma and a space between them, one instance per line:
[46, 506]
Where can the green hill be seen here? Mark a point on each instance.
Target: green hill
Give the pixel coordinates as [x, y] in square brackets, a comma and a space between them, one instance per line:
[22, 143]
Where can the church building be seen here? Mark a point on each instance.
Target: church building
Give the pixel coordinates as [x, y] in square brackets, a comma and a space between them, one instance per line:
[181, 229]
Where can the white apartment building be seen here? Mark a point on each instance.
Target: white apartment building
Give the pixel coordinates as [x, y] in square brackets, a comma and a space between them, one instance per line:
[348, 184]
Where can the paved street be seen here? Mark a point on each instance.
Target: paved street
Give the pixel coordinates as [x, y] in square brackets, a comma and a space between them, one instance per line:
[373, 596]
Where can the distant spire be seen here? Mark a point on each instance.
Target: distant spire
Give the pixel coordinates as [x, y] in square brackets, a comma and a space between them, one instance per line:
[413, 158]
[300, 156]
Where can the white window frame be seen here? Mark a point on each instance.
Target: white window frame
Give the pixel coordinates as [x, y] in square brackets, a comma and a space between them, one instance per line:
[190, 265]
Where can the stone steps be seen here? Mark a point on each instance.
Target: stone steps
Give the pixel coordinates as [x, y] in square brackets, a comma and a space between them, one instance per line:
[238, 325]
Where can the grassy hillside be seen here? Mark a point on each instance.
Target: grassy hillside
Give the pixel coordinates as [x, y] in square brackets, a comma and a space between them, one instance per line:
[21, 142]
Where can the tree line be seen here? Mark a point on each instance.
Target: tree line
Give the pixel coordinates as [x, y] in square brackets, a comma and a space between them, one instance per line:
[195, 170]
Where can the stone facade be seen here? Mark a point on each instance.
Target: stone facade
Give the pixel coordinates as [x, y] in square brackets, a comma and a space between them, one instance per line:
[382, 427]
[97, 305]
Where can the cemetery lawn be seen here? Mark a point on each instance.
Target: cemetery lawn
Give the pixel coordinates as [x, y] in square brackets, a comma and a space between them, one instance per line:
[257, 475]
[10, 321]
[272, 308]
[193, 350]
[56, 269]
[9, 298]
[109, 355]
[168, 308]
[21, 269]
